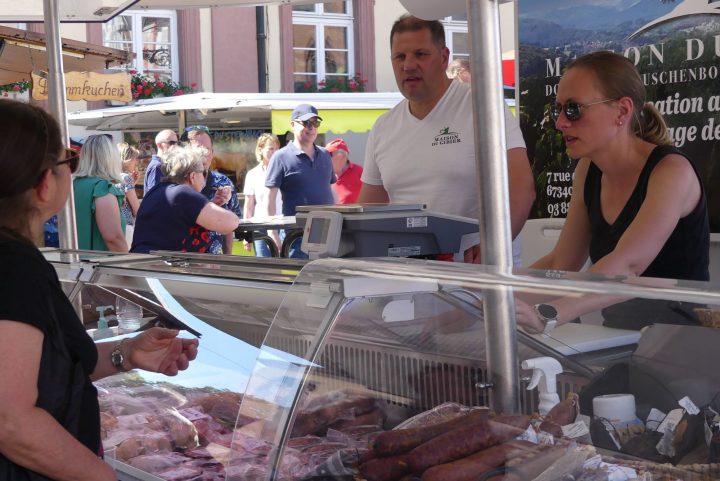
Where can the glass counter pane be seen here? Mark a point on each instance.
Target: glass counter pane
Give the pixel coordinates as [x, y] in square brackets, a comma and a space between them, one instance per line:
[167, 426]
[360, 349]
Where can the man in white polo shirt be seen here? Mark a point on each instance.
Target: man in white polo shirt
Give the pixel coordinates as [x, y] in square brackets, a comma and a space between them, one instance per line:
[423, 151]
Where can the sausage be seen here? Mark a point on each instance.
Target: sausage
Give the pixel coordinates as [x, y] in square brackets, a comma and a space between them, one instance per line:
[317, 420]
[403, 440]
[375, 417]
[519, 421]
[385, 469]
[460, 443]
[563, 413]
[472, 467]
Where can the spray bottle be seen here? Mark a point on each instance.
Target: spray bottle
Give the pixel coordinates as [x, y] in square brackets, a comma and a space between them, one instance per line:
[102, 331]
[544, 371]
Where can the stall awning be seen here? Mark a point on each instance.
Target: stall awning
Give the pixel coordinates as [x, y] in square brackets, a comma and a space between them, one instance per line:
[337, 121]
[21, 52]
[341, 112]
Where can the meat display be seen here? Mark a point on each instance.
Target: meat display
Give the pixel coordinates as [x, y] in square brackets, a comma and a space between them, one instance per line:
[403, 440]
[181, 434]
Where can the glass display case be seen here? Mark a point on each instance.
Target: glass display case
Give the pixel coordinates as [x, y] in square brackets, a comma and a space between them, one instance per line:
[381, 370]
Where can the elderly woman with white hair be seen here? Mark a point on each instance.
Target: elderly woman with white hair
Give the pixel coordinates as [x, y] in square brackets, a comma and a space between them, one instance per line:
[174, 215]
[100, 226]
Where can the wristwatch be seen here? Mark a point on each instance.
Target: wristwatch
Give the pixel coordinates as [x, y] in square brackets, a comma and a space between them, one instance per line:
[117, 358]
[548, 315]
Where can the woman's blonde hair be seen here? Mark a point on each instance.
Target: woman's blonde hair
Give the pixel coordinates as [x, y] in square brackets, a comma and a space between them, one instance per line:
[128, 153]
[100, 158]
[617, 77]
[178, 162]
[262, 141]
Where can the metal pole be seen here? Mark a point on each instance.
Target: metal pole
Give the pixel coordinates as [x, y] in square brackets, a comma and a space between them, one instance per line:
[67, 231]
[494, 205]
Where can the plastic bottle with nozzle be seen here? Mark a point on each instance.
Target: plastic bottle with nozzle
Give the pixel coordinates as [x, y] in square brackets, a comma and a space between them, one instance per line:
[103, 331]
[545, 370]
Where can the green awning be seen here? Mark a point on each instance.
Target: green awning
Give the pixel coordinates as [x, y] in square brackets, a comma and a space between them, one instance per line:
[336, 121]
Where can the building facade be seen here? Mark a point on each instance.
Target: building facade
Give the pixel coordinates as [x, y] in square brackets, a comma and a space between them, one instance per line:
[271, 49]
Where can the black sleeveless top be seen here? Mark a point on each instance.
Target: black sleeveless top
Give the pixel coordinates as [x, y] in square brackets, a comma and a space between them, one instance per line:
[685, 254]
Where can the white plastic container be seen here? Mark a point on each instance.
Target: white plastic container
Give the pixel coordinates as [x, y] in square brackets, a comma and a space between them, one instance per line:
[616, 408]
[129, 315]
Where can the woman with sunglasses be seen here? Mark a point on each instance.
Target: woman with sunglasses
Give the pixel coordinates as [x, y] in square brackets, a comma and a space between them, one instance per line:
[174, 215]
[49, 413]
[98, 200]
[638, 207]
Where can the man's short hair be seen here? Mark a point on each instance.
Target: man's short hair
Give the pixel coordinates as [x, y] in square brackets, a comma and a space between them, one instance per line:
[164, 136]
[194, 133]
[408, 23]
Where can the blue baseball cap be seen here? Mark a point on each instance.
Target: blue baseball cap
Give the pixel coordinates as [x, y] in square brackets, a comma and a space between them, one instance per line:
[304, 112]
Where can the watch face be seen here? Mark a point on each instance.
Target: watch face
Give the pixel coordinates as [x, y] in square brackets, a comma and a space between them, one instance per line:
[547, 311]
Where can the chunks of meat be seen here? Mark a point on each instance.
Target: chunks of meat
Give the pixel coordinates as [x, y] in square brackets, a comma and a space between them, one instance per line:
[460, 443]
[402, 440]
[562, 414]
[472, 467]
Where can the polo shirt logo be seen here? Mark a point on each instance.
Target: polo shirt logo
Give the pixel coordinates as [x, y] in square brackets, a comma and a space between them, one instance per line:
[445, 137]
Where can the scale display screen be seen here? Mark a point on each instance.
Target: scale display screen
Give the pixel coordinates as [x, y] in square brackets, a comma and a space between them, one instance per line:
[319, 228]
[321, 234]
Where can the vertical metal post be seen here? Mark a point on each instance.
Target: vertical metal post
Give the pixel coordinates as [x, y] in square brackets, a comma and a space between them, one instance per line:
[67, 231]
[494, 205]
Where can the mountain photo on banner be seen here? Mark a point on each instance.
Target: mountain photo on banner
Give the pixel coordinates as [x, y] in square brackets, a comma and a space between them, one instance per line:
[675, 45]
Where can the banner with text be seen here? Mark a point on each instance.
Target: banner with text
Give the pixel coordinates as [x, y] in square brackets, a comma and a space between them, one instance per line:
[86, 86]
[675, 45]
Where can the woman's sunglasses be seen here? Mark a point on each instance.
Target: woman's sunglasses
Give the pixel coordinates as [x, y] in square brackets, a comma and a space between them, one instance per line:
[572, 110]
[72, 158]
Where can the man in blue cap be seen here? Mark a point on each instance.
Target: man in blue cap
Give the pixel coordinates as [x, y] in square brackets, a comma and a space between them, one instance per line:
[301, 171]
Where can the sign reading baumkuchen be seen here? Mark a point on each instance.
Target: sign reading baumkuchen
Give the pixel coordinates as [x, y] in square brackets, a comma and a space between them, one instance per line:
[87, 86]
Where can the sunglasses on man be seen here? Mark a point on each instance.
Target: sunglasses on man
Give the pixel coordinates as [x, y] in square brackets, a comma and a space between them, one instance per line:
[572, 110]
[309, 124]
[72, 158]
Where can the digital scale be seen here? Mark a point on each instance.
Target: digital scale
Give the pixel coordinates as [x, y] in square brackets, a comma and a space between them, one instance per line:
[380, 230]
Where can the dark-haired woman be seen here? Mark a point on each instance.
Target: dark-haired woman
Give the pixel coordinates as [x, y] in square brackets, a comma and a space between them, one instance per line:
[638, 206]
[49, 414]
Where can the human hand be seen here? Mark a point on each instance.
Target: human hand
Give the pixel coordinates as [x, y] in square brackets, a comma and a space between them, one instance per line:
[527, 318]
[222, 195]
[472, 255]
[135, 176]
[160, 350]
